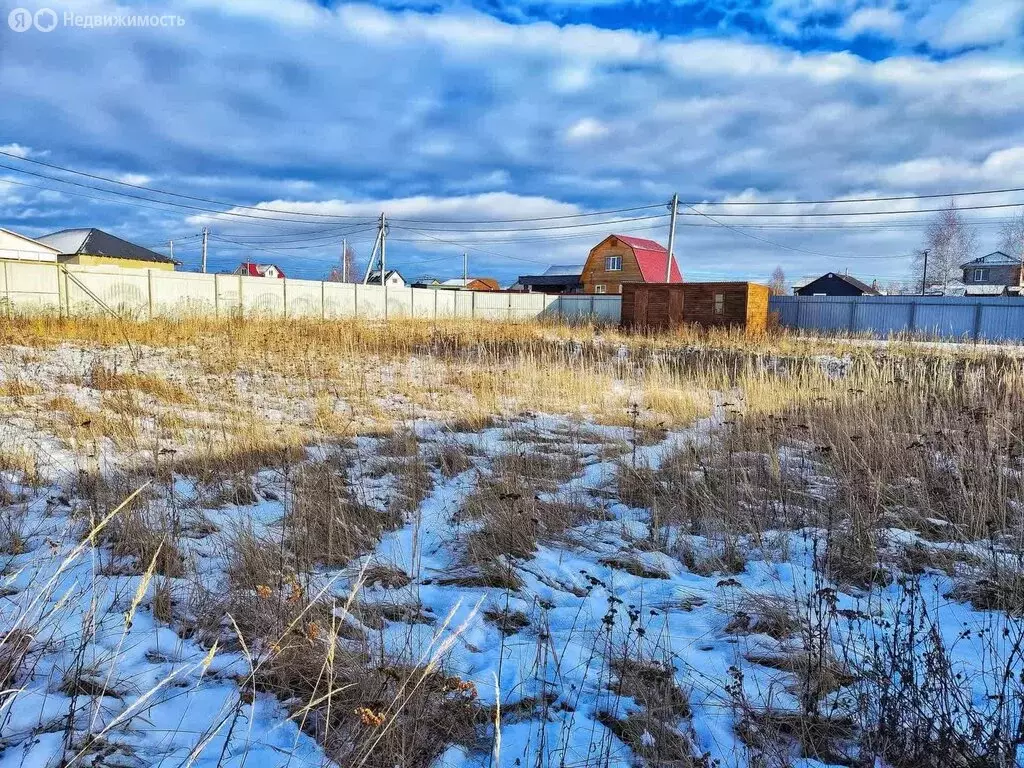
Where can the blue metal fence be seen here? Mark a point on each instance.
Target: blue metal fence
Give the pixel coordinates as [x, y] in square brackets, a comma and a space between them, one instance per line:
[969, 318]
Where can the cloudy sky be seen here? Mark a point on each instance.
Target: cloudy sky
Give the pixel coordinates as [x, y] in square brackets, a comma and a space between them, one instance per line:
[312, 118]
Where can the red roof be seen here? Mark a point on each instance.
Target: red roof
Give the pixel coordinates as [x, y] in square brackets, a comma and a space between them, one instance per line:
[651, 257]
[257, 270]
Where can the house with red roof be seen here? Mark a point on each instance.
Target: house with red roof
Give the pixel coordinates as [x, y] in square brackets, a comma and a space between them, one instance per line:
[252, 269]
[622, 259]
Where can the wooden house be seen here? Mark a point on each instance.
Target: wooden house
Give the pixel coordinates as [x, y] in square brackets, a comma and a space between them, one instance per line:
[619, 259]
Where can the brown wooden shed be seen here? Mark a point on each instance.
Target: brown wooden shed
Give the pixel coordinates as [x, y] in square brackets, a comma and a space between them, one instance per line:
[663, 306]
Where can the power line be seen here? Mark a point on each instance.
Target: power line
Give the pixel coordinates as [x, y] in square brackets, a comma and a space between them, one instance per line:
[851, 213]
[555, 227]
[758, 238]
[109, 180]
[471, 247]
[148, 199]
[532, 218]
[863, 199]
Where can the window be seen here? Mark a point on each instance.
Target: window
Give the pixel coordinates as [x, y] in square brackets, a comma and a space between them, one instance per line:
[613, 264]
[599, 288]
[980, 275]
[719, 303]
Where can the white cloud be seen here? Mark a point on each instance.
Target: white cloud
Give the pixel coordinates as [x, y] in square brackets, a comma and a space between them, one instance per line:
[16, 149]
[982, 22]
[586, 129]
[879, 20]
[358, 108]
[136, 179]
[490, 205]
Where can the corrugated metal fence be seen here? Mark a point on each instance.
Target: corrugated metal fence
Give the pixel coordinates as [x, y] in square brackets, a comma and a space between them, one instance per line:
[146, 293]
[970, 318]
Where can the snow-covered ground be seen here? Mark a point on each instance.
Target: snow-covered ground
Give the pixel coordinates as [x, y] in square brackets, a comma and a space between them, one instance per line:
[616, 639]
[591, 600]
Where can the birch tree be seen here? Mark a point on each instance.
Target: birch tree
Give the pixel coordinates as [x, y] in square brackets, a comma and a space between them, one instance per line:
[1011, 237]
[950, 242]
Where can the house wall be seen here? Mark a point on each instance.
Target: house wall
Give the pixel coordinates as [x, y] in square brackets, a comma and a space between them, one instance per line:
[997, 275]
[86, 260]
[594, 272]
[829, 286]
[20, 249]
[661, 306]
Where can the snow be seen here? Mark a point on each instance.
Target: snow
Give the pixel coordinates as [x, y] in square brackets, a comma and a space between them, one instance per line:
[170, 701]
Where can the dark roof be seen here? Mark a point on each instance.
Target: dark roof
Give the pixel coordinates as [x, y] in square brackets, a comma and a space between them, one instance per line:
[849, 279]
[375, 275]
[96, 242]
[550, 280]
[996, 258]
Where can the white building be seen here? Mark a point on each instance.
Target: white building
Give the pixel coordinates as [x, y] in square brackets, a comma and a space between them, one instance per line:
[23, 248]
[393, 279]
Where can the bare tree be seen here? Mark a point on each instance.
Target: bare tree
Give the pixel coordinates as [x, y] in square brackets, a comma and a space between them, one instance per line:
[346, 270]
[777, 284]
[950, 242]
[1011, 237]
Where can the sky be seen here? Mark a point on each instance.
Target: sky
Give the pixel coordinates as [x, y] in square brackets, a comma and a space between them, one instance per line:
[285, 125]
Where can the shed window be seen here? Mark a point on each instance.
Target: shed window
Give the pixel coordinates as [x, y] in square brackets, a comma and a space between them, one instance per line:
[719, 303]
[613, 264]
[980, 275]
[600, 288]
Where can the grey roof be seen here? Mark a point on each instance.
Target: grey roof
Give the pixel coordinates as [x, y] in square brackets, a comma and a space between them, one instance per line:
[565, 269]
[994, 259]
[96, 242]
[553, 279]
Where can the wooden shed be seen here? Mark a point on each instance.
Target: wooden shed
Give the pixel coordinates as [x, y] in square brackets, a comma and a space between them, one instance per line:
[664, 306]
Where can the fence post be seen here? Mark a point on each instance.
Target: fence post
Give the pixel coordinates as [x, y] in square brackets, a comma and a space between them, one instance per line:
[799, 303]
[385, 301]
[435, 304]
[977, 320]
[472, 305]
[913, 317]
[7, 290]
[323, 299]
[216, 297]
[853, 314]
[284, 294]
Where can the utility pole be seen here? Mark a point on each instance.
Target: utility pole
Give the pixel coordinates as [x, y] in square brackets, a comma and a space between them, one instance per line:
[383, 247]
[206, 233]
[465, 269]
[170, 244]
[924, 273]
[346, 265]
[377, 244]
[671, 237]
[373, 253]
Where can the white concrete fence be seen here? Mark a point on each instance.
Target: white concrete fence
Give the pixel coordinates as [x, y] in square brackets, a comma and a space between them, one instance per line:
[73, 291]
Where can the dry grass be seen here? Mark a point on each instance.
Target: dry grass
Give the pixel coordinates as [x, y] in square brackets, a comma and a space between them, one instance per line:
[328, 525]
[925, 441]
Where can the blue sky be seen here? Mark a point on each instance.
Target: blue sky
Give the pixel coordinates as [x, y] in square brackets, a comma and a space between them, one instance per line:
[501, 109]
